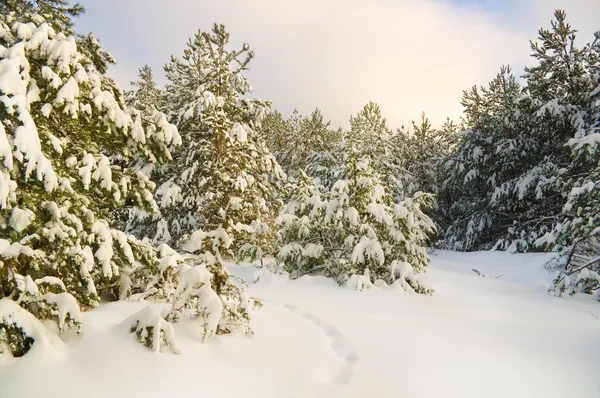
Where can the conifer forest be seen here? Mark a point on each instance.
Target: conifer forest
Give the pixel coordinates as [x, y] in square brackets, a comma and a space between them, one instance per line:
[176, 235]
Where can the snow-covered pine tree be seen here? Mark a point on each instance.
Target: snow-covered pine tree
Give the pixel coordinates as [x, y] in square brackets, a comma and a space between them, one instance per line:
[301, 230]
[309, 135]
[318, 135]
[511, 174]
[578, 234]
[145, 96]
[220, 196]
[474, 168]
[223, 173]
[422, 152]
[148, 99]
[449, 136]
[61, 124]
[326, 167]
[58, 14]
[275, 131]
[370, 134]
[355, 233]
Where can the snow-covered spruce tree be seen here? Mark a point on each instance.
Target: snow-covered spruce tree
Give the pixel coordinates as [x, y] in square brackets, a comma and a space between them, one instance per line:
[220, 195]
[355, 232]
[61, 123]
[512, 172]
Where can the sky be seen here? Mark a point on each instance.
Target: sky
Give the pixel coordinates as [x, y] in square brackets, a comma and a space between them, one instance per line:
[408, 56]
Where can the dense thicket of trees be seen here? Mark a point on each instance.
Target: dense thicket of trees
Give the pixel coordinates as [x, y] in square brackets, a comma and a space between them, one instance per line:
[523, 175]
[520, 171]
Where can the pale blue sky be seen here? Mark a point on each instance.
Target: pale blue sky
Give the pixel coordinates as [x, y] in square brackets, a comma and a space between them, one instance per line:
[407, 55]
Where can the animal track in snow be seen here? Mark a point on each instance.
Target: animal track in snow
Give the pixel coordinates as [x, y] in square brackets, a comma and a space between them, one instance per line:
[342, 347]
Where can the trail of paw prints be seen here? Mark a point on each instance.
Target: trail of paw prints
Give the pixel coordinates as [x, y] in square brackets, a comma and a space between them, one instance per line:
[343, 348]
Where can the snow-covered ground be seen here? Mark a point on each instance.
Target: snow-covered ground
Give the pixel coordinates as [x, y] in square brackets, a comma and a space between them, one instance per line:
[475, 337]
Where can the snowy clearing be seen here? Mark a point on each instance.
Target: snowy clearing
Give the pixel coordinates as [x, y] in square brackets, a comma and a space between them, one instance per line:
[475, 337]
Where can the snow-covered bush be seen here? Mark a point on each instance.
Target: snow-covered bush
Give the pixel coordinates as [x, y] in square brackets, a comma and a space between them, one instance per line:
[355, 228]
[20, 330]
[194, 291]
[578, 268]
[152, 330]
[209, 291]
[62, 122]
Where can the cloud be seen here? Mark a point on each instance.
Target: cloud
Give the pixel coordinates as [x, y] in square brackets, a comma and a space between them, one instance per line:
[407, 55]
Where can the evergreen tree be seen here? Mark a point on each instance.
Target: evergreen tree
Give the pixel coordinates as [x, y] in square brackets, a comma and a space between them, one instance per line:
[309, 135]
[61, 124]
[326, 167]
[146, 98]
[275, 131]
[145, 95]
[474, 170]
[221, 174]
[370, 136]
[369, 130]
[423, 153]
[58, 14]
[221, 194]
[578, 233]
